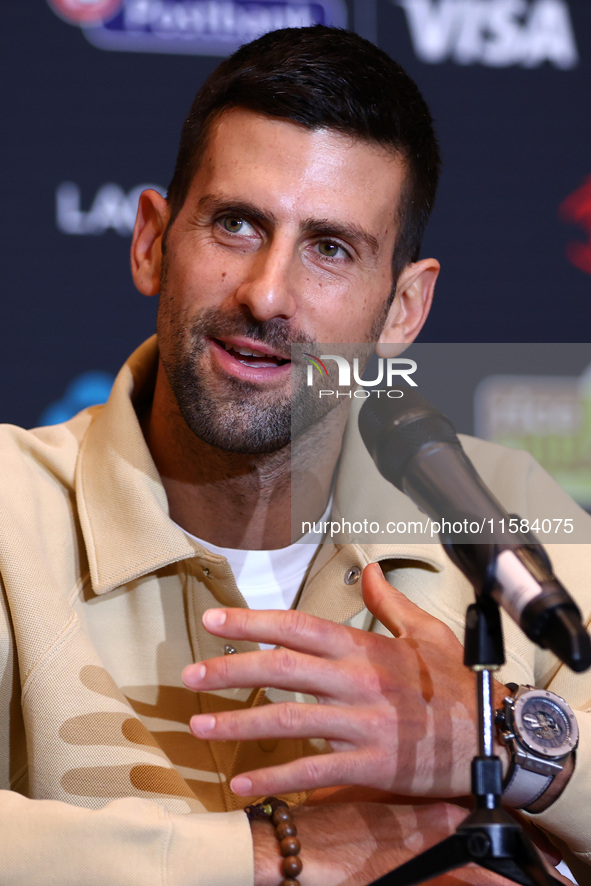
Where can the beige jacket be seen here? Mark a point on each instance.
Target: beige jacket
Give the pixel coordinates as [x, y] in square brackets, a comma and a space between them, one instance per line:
[102, 595]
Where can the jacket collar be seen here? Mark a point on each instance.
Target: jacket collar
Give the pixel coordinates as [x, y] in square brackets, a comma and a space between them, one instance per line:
[121, 500]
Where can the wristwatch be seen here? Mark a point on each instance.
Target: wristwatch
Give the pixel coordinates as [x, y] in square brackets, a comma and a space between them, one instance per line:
[540, 731]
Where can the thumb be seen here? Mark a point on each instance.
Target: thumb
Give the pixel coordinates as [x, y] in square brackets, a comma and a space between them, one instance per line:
[396, 612]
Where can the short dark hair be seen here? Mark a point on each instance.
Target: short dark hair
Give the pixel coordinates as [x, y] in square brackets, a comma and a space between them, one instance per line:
[324, 77]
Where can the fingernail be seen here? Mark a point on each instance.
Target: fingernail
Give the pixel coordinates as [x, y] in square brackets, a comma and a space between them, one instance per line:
[193, 674]
[202, 723]
[241, 785]
[213, 618]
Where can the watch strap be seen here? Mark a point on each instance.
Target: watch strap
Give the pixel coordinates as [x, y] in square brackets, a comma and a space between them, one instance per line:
[523, 787]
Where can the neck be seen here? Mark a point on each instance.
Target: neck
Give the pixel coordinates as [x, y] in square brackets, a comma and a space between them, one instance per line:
[242, 501]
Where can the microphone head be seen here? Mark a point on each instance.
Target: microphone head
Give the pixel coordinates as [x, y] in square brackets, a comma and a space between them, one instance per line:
[395, 430]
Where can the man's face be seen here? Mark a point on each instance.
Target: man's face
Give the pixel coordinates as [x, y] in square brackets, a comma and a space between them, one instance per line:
[286, 235]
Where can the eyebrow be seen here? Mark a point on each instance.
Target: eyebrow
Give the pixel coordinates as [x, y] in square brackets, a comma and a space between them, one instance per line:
[219, 203]
[321, 227]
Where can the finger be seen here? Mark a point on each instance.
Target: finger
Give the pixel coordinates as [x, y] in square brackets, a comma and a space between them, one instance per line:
[336, 724]
[305, 774]
[297, 630]
[281, 669]
[397, 613]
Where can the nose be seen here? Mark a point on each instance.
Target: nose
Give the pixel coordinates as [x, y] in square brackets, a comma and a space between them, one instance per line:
[269, 287]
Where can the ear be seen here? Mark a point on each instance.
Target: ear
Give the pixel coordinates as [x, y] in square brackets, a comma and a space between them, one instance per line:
[411, 304]
[151, 220]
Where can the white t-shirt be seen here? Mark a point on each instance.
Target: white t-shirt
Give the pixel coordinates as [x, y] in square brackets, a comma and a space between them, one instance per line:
[270, 579]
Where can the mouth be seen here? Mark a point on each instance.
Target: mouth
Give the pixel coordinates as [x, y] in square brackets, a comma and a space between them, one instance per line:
[250, 361]
[259, 358]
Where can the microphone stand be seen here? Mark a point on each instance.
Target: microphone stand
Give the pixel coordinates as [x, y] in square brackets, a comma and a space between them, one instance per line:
[489, 837]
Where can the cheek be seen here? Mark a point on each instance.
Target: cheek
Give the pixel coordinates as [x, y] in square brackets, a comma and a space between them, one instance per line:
[359, 318]
[198, 284]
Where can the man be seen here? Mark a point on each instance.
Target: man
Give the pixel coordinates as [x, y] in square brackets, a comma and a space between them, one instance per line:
[305, 175]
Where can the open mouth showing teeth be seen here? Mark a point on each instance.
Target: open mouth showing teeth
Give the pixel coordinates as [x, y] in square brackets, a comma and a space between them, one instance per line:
[249, 357]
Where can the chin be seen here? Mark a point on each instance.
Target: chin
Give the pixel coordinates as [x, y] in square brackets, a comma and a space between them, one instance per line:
[243, 431]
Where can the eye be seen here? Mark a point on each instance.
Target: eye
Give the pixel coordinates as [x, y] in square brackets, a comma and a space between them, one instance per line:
[233, 224]
[330, 249]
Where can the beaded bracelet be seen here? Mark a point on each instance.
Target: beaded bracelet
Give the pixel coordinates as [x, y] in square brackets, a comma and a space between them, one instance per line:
[281, 816]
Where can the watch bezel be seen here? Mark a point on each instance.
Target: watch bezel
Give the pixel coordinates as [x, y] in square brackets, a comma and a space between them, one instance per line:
[524, 734]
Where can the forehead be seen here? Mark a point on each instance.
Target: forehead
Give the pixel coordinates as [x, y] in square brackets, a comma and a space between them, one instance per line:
[298, 171]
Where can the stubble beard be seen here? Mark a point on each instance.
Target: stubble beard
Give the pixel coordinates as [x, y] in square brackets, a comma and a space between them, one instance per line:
[230, 414]
[233, 415]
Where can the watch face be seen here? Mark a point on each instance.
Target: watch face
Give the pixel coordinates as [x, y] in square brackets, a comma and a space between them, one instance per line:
[544, 725]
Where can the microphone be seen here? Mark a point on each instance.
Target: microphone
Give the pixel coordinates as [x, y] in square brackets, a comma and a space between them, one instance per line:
[416, 448]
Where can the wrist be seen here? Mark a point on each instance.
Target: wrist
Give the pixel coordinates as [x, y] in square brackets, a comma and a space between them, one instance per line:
[267, 860]
[500, 692]
[278, 818]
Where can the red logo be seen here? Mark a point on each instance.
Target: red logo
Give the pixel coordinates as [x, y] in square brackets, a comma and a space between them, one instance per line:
[577, 209]
[85, 12]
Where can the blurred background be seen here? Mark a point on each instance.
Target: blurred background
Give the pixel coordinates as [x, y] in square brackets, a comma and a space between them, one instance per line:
[95, 92]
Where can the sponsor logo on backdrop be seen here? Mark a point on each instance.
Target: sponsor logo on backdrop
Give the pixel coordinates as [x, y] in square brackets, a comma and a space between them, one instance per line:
[549, 416]
[112, 208]
[494, 33]
[577, 209]
[85, 12]
[86, 389]
[194, 27]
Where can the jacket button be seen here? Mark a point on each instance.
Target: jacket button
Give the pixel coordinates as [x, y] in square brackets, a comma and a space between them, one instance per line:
[229, 650]
[268, 745]
[352, 575]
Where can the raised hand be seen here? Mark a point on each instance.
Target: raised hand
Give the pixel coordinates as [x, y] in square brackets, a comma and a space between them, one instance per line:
[399, 713]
